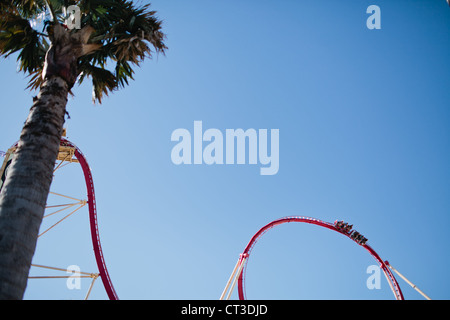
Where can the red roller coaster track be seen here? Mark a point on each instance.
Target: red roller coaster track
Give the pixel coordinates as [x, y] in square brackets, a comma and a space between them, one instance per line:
[246, 253]
[103, 271]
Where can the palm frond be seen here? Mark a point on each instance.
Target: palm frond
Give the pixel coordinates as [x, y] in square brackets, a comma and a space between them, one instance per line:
[25, 8]
[128, 35]
[103, 81]
[123, 73]
[16, 34]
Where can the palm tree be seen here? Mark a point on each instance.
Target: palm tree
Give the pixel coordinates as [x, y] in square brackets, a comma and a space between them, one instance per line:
[56, 57]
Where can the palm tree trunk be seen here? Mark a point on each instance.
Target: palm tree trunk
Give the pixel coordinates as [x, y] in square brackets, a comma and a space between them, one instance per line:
[24, 194]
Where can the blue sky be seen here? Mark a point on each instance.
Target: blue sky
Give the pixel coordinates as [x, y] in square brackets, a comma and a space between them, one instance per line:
[364, 124]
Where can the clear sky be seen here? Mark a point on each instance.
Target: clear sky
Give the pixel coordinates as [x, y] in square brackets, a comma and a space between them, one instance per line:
[364, 136]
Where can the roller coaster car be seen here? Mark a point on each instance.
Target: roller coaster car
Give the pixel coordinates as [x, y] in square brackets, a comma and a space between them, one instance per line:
[344, 227]
[359, 238]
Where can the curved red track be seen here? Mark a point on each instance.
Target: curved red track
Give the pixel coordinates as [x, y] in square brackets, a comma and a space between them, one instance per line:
[103, 271]
[241, 291]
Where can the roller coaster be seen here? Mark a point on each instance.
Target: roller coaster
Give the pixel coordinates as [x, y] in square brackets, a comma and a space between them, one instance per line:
[69, 153]
[344, 228]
